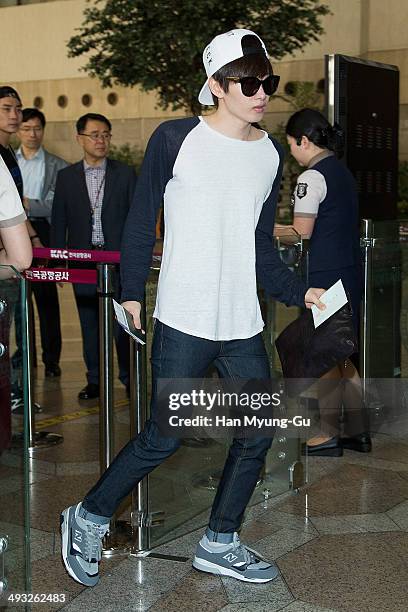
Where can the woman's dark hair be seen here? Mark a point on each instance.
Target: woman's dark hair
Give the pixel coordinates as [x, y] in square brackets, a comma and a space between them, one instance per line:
[312, 124]
[254, 64]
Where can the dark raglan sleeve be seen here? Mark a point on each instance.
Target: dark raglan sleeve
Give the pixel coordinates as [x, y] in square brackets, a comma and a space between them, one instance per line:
[139, 234]
[273, 275]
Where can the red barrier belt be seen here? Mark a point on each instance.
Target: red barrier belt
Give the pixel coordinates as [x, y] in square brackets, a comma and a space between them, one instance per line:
[74, 275]
[77, 255]
[60, 275]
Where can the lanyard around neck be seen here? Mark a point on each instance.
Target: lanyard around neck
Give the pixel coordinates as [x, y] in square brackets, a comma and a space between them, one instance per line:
[96, 203]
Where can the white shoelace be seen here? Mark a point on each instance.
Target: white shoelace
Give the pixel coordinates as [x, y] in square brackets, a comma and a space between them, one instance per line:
[248, 554]
[93, 542]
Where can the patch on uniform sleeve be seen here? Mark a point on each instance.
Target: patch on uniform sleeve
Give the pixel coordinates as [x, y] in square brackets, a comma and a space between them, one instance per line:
[301, 190]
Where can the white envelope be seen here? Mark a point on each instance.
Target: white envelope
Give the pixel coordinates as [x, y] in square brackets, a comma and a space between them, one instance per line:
[125, 320]
[334, 298]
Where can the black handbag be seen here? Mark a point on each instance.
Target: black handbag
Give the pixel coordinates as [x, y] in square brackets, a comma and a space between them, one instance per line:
[306, 352]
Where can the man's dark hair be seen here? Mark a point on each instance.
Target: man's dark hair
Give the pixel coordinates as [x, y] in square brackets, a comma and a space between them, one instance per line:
[33, 113]
[8, 92]
[254, 64]
[82, 121]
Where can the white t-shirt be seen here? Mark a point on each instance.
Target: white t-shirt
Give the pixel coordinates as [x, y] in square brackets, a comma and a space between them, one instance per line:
[11, 209]
[220, 196]
[207, 285]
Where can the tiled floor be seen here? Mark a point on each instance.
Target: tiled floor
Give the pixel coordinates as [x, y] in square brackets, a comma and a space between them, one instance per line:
[341, 543]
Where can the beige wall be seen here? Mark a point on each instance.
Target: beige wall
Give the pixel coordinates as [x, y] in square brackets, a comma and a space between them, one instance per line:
[35, 60]
[388, 21]
[384, 23]
[33, 40]
[358, 26]
[131, 102]
[342, 31]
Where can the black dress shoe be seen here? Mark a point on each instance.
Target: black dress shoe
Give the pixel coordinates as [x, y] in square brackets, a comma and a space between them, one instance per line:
[52, 370]
[91, 391]
[360, 443]
[331, 448]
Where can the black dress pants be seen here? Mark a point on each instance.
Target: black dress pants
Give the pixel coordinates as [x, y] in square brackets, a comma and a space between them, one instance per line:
[46, 297]
[88, 309]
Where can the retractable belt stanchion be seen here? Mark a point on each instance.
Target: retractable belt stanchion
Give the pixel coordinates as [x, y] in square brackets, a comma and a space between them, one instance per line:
[119, 538]
[105, 293]
[138, 416]
[367, 243]
[42, 439]
[123, 537]
[39, 439]
[142, 520]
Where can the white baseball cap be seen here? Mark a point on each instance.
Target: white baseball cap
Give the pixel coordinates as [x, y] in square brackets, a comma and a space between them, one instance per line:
[223, 49]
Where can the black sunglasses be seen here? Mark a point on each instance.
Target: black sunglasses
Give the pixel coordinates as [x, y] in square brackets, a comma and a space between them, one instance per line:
[250, 85]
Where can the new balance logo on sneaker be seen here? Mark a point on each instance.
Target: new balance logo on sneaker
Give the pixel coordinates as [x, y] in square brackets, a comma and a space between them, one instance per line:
[81, 545]
[235, 560]
[78, 536]
[230, 557]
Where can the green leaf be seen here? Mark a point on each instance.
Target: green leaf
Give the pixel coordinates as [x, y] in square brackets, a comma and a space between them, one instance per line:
[158, 45]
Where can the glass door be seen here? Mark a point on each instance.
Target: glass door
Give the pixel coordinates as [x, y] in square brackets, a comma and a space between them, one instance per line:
[184, 486]
[283, 467]
[14, 500]
[384, 333]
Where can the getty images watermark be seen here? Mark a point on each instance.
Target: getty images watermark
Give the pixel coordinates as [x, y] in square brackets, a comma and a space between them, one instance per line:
[190, 408]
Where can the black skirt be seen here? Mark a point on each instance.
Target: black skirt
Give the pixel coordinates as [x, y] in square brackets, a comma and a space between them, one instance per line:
[352, 279]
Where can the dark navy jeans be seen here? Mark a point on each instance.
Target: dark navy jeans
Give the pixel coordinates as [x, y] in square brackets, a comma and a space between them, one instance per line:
[179, 355]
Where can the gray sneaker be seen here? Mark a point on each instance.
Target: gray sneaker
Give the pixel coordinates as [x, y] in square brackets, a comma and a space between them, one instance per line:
[235, 560]
[81, 545]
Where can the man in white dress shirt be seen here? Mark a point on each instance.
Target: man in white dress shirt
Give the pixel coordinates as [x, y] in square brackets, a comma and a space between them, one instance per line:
[39, 169]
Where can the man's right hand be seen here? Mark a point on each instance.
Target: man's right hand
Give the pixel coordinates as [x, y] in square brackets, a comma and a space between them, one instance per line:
[134, 308]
